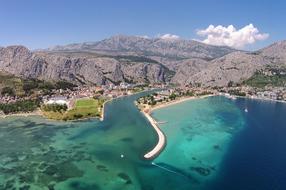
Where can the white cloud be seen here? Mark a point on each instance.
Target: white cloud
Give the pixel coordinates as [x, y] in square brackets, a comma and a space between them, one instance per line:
[169, 37]
[230, 36]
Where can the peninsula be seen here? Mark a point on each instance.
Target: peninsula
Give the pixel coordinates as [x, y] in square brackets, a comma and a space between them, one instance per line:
[165, 98]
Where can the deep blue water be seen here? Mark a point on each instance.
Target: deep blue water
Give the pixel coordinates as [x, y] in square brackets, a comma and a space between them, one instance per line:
[256, 158]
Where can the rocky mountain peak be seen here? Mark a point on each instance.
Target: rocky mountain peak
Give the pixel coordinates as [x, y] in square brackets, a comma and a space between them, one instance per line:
[179, 48]
[136, 59]
[276, 49]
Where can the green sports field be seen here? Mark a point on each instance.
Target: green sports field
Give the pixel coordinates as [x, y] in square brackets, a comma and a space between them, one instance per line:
[84, 108]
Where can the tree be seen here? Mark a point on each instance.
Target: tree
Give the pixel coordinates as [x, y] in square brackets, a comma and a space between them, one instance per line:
[29, 85]
[65, 85]
[173, 96]
[230, 84]
[7, 91]
[55, 107]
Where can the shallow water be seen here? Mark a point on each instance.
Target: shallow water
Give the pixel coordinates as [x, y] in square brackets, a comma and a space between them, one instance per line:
[205, 139]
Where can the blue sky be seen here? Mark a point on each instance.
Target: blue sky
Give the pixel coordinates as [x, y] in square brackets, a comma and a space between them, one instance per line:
[44, 23]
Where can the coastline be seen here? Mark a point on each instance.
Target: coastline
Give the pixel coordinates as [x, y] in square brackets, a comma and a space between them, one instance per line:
[23, 114]
[262, 99]
[177, 101]
[103, 108]
[162, 141]
[38, 112]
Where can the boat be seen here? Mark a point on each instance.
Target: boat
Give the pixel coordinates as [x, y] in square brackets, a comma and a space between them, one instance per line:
[161, 122]
[233, 97]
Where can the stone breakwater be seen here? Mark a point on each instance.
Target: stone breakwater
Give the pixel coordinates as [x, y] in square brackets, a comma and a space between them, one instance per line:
[161, 139]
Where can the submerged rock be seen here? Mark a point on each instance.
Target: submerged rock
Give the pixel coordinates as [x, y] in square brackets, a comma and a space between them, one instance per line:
[217, 147]
[125, 177]
[127, 139]
[202, 171]
[102, 168]
[77, 185]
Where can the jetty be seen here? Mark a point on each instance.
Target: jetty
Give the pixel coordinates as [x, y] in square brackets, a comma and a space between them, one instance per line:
[161, 142]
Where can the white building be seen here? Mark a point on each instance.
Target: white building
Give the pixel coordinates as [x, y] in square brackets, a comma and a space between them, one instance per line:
[57, 100]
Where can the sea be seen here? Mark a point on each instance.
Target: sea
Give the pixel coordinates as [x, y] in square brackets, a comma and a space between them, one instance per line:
[213, 143]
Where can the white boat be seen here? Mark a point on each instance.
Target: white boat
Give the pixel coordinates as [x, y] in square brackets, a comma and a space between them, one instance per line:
[246, 110]
[233, 97]
[230, 96]
[161, 122]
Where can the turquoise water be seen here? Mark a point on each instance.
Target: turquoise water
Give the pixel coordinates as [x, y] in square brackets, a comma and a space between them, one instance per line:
[199, 132]
[40, 154]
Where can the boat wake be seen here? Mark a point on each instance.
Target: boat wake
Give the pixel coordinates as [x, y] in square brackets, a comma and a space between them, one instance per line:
[165, 168]
[172, 171]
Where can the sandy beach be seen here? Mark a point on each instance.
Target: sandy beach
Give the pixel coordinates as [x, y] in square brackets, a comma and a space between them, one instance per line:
[177, 101]
[34, 113]
[103, 108]
[161, 137]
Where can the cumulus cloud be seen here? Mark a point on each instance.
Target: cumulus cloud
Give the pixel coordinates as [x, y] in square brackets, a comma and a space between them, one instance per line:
[169, 37]
[230, 36]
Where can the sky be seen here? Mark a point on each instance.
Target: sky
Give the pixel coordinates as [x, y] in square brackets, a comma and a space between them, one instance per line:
[242, 24]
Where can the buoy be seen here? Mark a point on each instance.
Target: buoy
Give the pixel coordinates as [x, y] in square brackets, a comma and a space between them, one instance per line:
[246, 110]
[122, 156]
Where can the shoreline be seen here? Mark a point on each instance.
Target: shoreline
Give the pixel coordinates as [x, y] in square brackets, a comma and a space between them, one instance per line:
[38, 112]
[180, 100]
[162, 140]
[103, 109]
[22, 114]
[103, 106]
[262, 99]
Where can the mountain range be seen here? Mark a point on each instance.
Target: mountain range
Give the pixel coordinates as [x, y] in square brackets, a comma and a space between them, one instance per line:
[136, 59]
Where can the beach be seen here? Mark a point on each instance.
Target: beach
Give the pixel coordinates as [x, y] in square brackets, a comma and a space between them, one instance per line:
[34, 113]
[161, 137]
[177, 101]
[102, 111]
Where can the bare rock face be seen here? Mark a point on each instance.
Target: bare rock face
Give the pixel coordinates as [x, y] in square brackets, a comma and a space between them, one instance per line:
[235, 67]
[239, 66]
[81, 69]
[140, 60]
[276, 52]
[131, 45]
[185, 56]
[20, 61]
[187, 69]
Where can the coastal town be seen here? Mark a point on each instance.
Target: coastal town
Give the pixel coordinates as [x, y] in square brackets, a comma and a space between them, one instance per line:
[172, 94]
[165, 93]
[59, 101]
